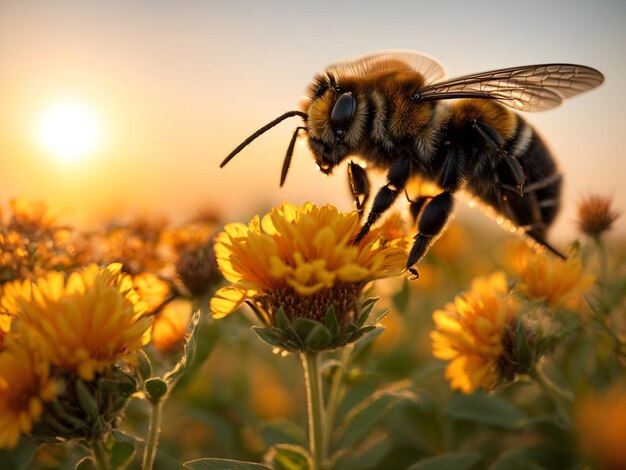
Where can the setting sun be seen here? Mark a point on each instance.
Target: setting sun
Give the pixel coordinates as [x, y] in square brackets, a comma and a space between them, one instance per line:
[69, 131]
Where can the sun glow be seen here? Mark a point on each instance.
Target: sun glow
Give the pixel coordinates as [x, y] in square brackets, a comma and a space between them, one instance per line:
[69, 131]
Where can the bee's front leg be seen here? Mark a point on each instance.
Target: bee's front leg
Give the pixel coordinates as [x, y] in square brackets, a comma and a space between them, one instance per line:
[359, 186]
[397, 177]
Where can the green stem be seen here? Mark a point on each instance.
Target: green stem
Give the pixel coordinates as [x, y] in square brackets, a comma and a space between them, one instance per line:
[335, 395]
[100, 455]
[602, 261]
[562, 398]
[315, 401]
[154, 430]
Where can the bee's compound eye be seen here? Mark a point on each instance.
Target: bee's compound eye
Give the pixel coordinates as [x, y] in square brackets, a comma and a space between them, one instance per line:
[321, 89]
[343, 112]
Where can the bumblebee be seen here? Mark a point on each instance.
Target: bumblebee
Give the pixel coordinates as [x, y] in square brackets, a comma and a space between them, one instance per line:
[395, 111]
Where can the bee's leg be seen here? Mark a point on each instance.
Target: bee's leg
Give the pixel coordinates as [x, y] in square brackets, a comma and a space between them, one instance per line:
[359, 186]
[416, 206]
[526, 213]
[397, 177]
[493, 138]
[432, 222]
[433, 212]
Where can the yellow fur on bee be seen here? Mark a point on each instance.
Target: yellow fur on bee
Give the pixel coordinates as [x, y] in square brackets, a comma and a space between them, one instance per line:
[490, 112]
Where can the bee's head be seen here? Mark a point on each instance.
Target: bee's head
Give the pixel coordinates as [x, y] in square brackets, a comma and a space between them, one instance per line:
[336, 119]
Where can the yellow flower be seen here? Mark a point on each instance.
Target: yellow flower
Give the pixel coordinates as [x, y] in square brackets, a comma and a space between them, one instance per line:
[171, 325]
[191, 235]
[30, 217]
[5, 325]
[25, 385]
[136, 246]
[559, 283]
[151, 289]
[84, 324]
[601, 423]
[301, 258]
[471, 334]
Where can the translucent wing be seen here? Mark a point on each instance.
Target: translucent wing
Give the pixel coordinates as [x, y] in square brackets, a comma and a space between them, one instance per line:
[380, 63]
[526, 88]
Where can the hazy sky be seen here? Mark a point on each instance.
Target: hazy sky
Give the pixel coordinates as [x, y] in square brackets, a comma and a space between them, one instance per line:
[177, 85]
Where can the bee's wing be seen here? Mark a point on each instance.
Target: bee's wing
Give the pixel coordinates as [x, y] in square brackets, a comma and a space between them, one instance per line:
[526, 88]
[390, 61]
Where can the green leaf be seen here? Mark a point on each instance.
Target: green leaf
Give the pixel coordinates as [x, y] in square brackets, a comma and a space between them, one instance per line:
[401, 299]
[281, 320]
[524, 355]
[281, 431]
[145, 365]
[537, 458]
[289, 457]
[19, 458]
[86, 463]
[87, 401]
[303, 326]
[318, 338]
[366, 308]
[485, 409]
[186, 359]
[331, 321]
[266, 336]
[223, 464]
[60, 412]
[122, 450]
[367, 338]
[448, 461]
[382, 315]
[365, 415]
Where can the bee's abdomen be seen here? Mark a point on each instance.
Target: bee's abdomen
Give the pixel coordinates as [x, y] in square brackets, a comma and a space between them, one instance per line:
[540, 201]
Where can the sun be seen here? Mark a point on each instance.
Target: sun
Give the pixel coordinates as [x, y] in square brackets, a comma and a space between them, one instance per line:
[69, 131]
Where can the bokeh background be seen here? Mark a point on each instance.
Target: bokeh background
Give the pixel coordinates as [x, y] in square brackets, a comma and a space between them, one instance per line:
[174, 86]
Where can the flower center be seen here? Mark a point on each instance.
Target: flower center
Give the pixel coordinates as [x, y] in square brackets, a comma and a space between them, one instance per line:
[344, 297]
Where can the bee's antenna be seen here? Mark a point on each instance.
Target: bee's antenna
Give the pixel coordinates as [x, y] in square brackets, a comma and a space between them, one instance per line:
[266, 127]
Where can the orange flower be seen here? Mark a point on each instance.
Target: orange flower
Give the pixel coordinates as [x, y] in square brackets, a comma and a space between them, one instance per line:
[559, 283]
[601, 423]
[84, 324]
[25, 385]
[470, 333]
[171, 325]
[302, 259]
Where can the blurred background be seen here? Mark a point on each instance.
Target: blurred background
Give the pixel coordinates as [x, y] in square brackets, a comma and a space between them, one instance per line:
[122, 108]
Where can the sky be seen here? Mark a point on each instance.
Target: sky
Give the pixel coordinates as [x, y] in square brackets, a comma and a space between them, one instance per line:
[175, 86]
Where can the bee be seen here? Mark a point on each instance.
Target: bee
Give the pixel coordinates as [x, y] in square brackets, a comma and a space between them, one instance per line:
[396, 112]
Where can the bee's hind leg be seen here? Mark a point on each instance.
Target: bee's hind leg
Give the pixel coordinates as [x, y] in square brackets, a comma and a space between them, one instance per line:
[525, 211]
[494, 139]
[432, 222]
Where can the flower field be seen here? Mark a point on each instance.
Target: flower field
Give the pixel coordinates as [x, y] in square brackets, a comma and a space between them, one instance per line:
[277, 342]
